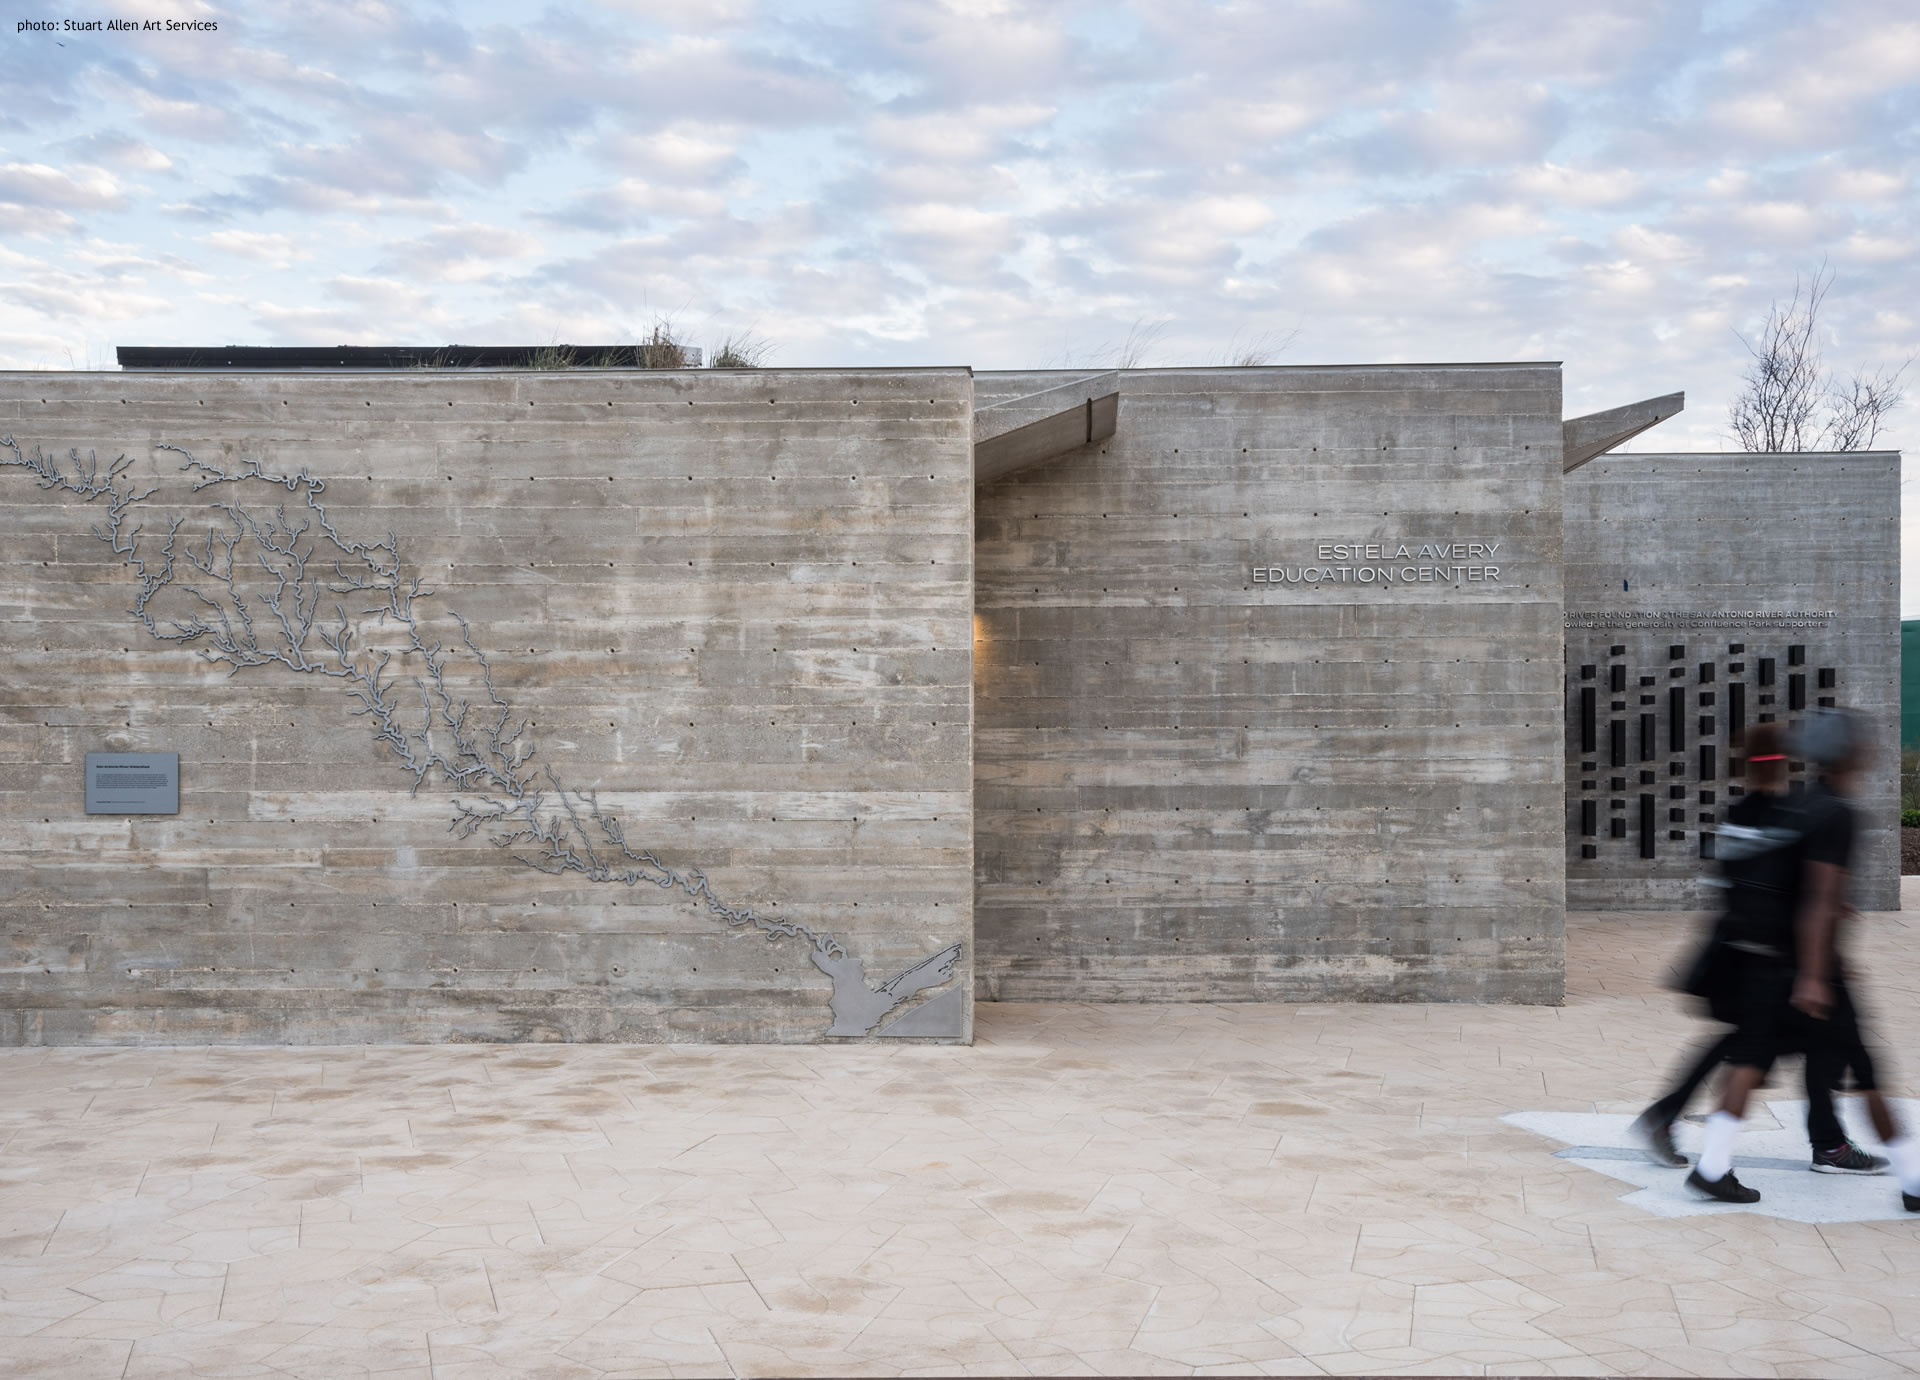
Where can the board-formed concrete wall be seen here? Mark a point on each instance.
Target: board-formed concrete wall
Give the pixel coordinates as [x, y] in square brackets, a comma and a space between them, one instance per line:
[1193, 786]
[1730, 585]
[736, 605]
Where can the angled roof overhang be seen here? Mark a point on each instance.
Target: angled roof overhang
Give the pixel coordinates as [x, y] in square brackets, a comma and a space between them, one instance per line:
[1020, 433]
[1599, 432]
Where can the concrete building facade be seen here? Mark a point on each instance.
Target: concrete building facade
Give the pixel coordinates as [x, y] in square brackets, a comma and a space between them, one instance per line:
[1706, 593]
[1268, 692]
[788, 705]
[521, 706]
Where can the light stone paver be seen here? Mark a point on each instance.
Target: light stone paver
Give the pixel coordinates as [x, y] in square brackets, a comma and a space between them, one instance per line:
[1090, 1190]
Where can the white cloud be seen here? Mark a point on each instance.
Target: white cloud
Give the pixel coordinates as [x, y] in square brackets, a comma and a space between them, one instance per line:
[458, 254]
[1003, 182]
[1865, 247]
[21, 222]
[278, 250]
[953, 136]
[683, 150]
[78, 300]
[81, 188]
[382, 296]
[1566, 186]
[111, 147]
[29, 350]
[190, 120]
[1792, 222]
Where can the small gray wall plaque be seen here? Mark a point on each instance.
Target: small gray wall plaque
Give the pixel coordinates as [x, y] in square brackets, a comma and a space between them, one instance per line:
[133, 783]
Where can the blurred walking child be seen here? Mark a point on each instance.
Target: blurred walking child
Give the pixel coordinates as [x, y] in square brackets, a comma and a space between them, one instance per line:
[1789, 980]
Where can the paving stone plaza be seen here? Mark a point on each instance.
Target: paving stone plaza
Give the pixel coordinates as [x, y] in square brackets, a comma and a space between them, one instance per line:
[1114, 1189]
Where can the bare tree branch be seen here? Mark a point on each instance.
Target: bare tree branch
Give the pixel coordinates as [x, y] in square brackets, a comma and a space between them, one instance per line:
[1785, 382]
[1856, 412]
[1788, 400]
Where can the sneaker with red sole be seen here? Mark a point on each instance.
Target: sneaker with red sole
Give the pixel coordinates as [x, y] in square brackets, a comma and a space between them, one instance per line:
[1847, 1158]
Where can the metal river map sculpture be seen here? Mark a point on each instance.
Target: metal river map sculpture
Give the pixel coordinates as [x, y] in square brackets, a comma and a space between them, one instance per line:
[266, 587]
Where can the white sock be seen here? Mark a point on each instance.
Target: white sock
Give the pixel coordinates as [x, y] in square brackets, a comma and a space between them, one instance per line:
[1716, 1151]
[1904, 1151]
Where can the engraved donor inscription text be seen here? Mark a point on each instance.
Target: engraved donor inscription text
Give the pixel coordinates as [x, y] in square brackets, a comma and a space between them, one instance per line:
[1614, 620]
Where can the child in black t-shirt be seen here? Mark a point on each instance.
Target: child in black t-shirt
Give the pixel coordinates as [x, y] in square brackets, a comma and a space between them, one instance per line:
[1746, 973]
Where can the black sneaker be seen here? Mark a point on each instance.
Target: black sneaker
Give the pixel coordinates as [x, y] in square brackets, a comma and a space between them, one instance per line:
[1910, 1201]
[1656, 1139]
[1727, 1190]
[1847, 1158]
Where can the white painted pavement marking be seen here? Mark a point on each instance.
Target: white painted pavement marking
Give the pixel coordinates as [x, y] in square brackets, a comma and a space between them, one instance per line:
[1771, 1155]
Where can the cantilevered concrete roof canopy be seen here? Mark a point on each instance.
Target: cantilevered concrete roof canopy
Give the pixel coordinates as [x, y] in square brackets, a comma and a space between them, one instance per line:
[1599, 432]
[1021, 432]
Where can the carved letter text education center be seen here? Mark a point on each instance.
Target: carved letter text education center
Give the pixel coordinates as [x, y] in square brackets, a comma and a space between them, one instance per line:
[1390, 563]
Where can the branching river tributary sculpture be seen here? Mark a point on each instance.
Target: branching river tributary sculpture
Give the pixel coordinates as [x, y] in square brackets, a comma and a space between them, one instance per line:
[265, 587]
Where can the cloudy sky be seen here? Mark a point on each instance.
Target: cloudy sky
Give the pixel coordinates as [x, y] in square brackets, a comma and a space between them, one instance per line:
[1620, 184]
